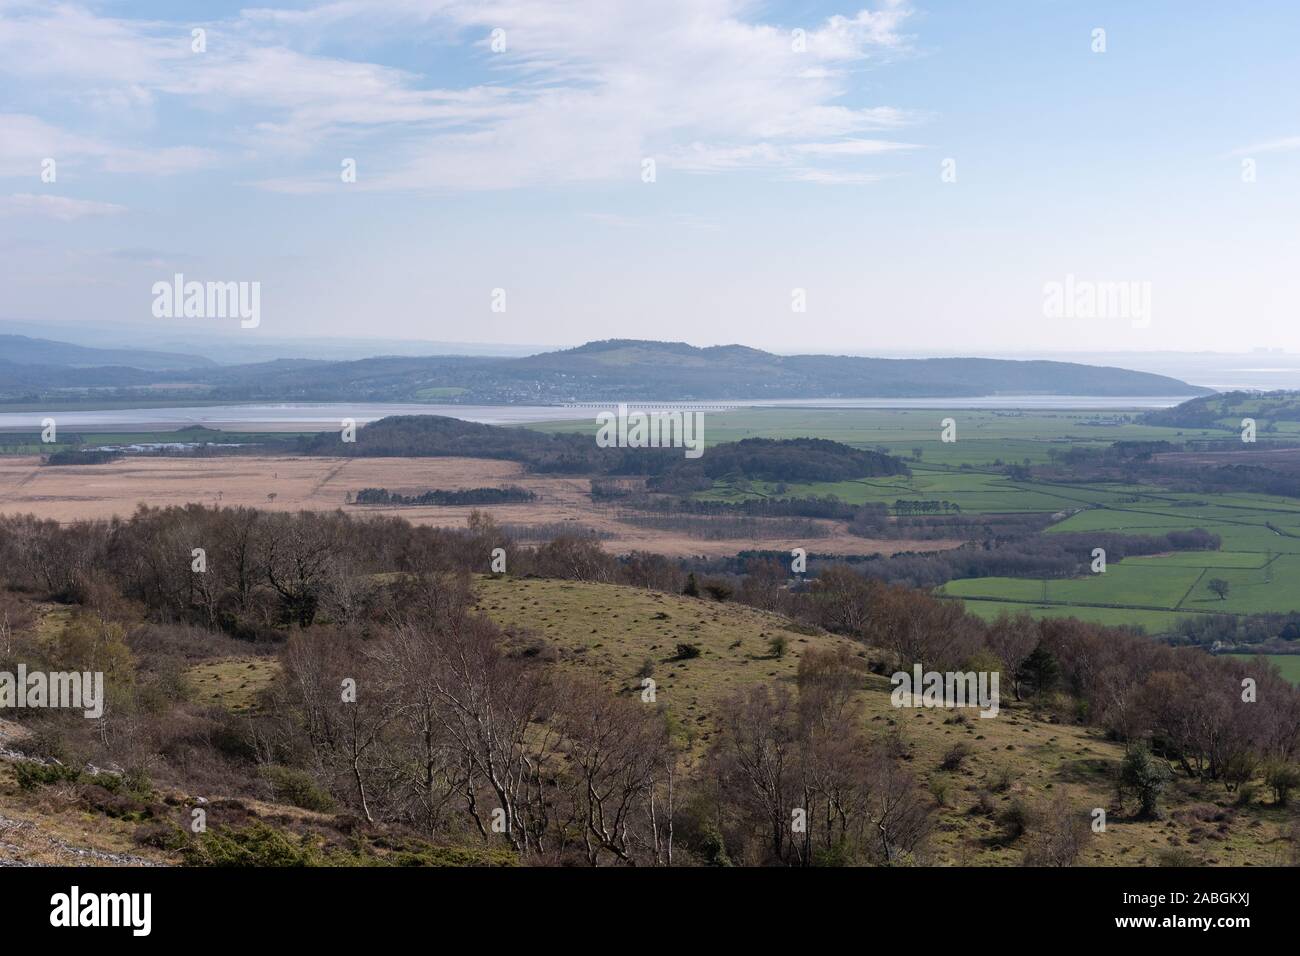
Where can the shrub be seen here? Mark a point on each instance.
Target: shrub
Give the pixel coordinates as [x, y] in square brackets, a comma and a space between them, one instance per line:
[297, 788]
[46, 743]
[117, 803]
[718, 590]
[952, 760]
[1177, 857]
[686, 651]
[839, 853]
[33, 775]
[1014, 820]
[457, 856]
[1001, 779]
[1282, 778]
[159, 835]
[777, 646]
[1060, 834]
[255, 845]
[985, 804]
[1146, 776]
[713, 848]
[136, 780]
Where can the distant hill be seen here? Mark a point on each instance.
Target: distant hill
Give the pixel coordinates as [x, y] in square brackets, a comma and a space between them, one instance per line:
[633, 370]
[22, 350]
[663, 370]
[17, 379]
[617, 370]
[1226, 410]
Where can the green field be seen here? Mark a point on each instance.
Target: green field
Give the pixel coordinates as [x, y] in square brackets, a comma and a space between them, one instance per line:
[1287, 664]
[1151, 622]
[1260, 534]
[983, 436]
[1149, 587]
[1153, 591]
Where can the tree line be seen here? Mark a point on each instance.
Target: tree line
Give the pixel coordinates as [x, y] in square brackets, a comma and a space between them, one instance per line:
[511, 494]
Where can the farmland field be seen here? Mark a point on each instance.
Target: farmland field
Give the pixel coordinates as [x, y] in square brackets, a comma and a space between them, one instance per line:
[1150, 622]
[1260, 567]
[289, 483]
[1287, 664]
[1259, 556]
[983, 436]
[1258, 559]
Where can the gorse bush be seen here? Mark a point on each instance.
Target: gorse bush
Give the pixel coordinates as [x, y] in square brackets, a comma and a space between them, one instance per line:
[297, 788]
[33, 775]
[257, 845]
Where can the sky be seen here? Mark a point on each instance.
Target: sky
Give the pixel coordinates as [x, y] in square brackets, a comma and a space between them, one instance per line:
[939, 177]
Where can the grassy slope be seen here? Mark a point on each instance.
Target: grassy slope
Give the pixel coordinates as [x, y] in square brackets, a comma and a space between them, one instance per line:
[611, 630]
[231, 682]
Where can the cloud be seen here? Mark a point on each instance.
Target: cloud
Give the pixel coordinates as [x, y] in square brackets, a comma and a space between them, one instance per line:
[851, 147]
[29, 141]
[61, 208]
[583, 91]
[1285, 144]
[830, 177]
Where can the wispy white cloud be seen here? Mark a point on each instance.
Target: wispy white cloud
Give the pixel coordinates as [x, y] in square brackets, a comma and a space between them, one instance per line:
[851, 147]
[1284, 144]
[583, 91]
[831, 177]
[63, 208]
[28, 141]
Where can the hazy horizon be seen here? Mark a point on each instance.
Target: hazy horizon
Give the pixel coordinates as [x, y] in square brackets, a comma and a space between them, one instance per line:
[84, 333]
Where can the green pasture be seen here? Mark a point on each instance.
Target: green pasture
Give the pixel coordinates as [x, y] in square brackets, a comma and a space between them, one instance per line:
[972, 491]
[1149, 586]
[983, 436]
[1151, 622]
[1287, 664]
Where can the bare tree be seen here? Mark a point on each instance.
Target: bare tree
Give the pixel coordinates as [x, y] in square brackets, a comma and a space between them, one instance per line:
[1012, 640]
[614, 747]
[1059, 833]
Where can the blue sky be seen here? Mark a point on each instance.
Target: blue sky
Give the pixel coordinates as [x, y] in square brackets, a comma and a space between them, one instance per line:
[776, 169]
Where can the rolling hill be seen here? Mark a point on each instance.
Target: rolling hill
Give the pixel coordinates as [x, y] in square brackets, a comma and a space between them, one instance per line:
[616, 370]
[22, 350]
[1019, 759]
